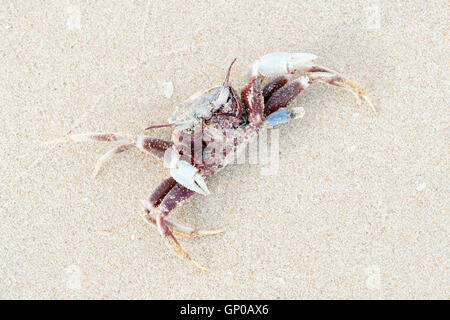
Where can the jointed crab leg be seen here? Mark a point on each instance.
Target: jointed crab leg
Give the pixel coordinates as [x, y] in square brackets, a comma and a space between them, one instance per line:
[274, 85]
[170, 240]
[152, 145]
[322, 74]
[164, 199]
[282, 97]
[177, 228]
[160, 192]
[279, 63]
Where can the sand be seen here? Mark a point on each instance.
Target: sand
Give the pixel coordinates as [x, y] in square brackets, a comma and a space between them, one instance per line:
[358, 208]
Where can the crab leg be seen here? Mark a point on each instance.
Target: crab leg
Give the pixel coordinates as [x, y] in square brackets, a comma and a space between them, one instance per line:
[253, 99]
[274, 85]
[278, 63]
[176, 198]
[108, 156]
[160, 192]
[145, 143]
[96, 136]
[177, 228]
[282, 97]
[164, 199]
[322, 74]
[155, 146]
[152, 145]
[171, 242]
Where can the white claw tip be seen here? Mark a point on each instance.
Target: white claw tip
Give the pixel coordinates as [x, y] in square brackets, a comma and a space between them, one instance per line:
[201, 183]
[186, 174]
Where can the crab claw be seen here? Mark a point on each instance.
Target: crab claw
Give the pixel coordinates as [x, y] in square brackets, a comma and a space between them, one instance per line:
[184, 173]
[276, 63]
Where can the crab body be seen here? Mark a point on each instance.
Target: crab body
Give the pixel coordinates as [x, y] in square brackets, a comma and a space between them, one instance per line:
[212, 131]
[212, 126]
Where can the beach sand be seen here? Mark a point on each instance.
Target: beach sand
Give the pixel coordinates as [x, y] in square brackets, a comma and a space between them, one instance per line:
[357, 209]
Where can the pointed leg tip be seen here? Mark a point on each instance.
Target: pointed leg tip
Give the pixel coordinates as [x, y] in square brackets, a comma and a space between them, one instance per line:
[374, 110]
[199, 266]
[359, 92]
[95, 171]
[203, 233]
[213, 232]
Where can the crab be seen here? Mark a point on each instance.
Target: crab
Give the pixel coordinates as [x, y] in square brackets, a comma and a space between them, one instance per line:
[211, 127]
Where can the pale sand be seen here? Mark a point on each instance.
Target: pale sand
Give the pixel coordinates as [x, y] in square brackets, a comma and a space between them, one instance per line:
[359, 208]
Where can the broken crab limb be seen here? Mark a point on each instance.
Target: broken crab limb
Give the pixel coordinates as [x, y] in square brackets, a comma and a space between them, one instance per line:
[277, 63]
[184, 173]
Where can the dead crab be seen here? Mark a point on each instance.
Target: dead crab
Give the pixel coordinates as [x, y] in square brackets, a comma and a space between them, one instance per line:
[211, 126]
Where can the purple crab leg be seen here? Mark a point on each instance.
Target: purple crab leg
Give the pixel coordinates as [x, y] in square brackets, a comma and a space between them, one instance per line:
[253, 100]
[282, 97]
[161, 191]
[167, 196]
[96, 136]
[274, 85]
[155, 146]
[176, 196]
[156, 197]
